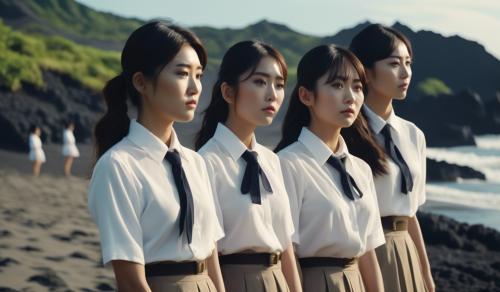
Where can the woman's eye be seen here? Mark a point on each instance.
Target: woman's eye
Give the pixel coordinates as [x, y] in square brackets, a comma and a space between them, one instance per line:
[183, 74]
[199, 75]
[260, 82]
[394, 64]
[337, 85]
[408, 63]
[280, 85]
[358, 88]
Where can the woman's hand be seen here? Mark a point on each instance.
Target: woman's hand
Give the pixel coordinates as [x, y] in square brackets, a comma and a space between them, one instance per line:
[429, 281]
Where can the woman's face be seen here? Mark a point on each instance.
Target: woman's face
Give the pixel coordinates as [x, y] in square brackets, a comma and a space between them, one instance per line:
[336, 103]
[178, 88]
[391, 76]
[260, 95]
[38, 132]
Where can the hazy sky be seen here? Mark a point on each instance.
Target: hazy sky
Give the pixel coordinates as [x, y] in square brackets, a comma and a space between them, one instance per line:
[474, 20]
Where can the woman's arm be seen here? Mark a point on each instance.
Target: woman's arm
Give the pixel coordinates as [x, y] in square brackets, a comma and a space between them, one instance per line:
[370, 271]
[290, 270]
[214, 270]
[130, 276]
[418, 239]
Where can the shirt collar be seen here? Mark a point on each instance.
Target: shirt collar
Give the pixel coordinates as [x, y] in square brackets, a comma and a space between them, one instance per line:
[319, 150]
[377, 123]
[151, 144]
[231, 142]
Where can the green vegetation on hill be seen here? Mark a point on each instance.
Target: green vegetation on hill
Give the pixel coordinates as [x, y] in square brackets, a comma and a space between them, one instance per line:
[433, 87]
[73, 18]
[23, 57]
[290, 43]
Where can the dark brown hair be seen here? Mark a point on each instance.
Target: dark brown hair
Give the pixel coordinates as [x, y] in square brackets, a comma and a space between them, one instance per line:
[377, 42]
[374, 43]
[240, 58]
[148, 50]
[321, 60]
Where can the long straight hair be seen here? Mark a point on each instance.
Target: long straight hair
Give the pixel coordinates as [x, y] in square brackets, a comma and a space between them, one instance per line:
[148, 50]
[241, 58]
[334, 61]
[374, 43]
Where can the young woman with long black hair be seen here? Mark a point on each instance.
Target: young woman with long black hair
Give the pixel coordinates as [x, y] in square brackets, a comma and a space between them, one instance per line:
[150, 196]
[332, 195]
[256, 253]
[400, 172]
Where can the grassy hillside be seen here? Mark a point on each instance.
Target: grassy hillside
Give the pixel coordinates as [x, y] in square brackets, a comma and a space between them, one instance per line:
[458, 62]
[68, 18]
[23, 57]
[290, 43]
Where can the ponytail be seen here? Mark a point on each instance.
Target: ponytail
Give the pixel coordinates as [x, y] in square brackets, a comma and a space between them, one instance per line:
[216, 112]
[114, 125]
[297, 116]
[148, 50]
[361, 143]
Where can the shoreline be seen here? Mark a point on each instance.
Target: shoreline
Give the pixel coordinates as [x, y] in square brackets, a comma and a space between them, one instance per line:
[464, 213]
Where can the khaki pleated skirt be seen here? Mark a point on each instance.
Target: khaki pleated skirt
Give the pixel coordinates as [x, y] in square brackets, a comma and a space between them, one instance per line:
[333, 279]
[400, 264]
[254, 278]
[182, 283]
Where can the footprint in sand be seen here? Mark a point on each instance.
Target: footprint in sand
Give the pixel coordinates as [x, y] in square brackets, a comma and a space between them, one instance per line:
[79, 255]
[105, 287]
[78, 233]
[62, 237]
[5, 262]
[5, 233]
[7, 289]
[92, 242]
[55, 259]
[30, 248]
[48, 278]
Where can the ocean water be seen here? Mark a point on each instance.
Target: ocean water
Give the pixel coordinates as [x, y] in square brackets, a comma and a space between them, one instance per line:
[471, 201]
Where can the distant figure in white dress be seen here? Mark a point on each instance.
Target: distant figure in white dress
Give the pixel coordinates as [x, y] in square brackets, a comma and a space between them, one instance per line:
[36, 152]
[69, 150]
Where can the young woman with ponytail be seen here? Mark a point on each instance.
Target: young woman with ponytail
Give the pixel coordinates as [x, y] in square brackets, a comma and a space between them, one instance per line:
[332, 194]
[150, 196]
[387, 56]
[256, 253]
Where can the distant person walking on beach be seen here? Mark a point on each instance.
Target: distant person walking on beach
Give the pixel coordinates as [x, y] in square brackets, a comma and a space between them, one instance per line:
[36, 152]
[69, 150]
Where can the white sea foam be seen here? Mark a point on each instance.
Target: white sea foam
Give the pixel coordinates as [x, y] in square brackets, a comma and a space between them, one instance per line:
[484, 157]
[468, 198]
[488, 141]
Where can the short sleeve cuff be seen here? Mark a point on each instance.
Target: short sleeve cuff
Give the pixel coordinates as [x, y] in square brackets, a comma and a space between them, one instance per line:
[106, 259]
[375, 239]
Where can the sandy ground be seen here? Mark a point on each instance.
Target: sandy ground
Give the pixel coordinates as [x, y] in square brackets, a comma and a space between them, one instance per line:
[47, 239]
